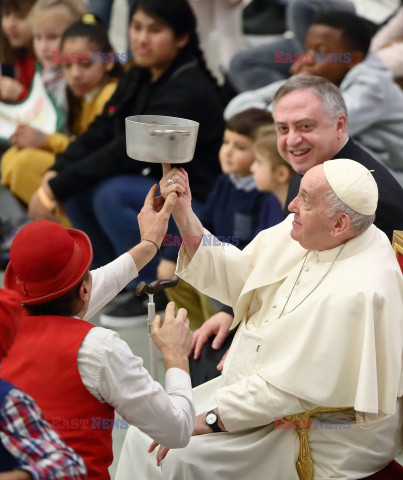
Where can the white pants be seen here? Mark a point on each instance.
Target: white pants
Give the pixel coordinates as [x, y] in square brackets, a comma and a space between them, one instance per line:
[256, 454]
[267, 453]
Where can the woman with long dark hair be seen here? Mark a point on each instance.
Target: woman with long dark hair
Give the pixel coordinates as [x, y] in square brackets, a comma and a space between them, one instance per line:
[102, 189]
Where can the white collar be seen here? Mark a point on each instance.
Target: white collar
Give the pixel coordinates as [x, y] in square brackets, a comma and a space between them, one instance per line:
[344, 144]
[89, 97]
[245, 183]
[352, 247]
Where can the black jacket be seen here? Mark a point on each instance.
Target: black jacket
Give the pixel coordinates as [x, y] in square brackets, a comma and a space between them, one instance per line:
[100, 153]
[389, 214]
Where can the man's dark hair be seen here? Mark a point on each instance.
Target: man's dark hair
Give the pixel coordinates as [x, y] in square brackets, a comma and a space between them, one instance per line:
[249, 121]
[357, 31]
[63, 306]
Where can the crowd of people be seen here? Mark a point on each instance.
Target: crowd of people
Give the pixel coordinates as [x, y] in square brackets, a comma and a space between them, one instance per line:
[280, 230]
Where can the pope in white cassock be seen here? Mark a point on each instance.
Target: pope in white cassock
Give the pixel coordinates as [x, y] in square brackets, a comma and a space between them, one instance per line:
[320, 316]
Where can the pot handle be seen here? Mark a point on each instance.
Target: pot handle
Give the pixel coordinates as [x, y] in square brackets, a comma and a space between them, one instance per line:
[155, 133]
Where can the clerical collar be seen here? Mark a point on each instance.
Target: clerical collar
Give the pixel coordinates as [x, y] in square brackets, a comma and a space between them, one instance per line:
[245, 183]
[352, 247]
[344, 144]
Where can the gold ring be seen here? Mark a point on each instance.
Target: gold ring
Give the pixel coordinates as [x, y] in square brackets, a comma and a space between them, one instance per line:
[170, 181]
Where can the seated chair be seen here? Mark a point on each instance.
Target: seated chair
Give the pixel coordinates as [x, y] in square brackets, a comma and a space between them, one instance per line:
[305, 467]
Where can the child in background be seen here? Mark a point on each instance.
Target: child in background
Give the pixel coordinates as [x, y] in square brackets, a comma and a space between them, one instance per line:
[234, 210]
[90, 84]
[234, 207]
[46, 21]
[16, 56]
[271, 173]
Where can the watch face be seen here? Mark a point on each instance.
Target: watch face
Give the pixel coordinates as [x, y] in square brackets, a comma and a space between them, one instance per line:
[211, 418]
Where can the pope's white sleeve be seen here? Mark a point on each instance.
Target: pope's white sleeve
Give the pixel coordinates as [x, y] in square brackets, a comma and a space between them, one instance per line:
[108, 281]
[216, 269]
[252, 402]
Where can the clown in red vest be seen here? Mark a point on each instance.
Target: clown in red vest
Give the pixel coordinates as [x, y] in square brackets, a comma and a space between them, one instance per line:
[29, 447]
[80, 374]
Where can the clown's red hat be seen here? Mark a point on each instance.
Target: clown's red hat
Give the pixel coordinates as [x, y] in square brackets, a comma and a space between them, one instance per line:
[47, 261]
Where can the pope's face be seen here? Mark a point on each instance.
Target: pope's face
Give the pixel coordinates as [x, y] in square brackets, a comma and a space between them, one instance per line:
[311, 226]
[305, 135]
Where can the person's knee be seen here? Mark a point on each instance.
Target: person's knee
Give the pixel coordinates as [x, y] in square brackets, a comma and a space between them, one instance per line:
[105, 194]
[107, 203]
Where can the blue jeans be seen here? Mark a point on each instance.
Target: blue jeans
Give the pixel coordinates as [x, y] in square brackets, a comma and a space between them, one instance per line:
[256, 67]
[10, 209]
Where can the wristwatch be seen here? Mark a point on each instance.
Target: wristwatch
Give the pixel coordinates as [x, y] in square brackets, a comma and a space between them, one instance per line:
[212, 421]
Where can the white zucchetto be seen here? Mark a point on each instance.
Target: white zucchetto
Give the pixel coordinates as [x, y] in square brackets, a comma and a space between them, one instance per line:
[353, 184]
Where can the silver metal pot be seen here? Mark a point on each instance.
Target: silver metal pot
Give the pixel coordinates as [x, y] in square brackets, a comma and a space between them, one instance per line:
[160, 139]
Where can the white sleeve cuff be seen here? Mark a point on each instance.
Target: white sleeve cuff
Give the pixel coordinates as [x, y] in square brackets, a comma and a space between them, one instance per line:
[177, 378]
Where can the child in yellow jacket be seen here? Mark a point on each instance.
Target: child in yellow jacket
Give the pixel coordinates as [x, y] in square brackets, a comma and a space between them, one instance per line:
[91, 79]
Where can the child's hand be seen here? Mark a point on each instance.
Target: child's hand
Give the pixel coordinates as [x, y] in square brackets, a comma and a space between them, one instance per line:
[10, 89]
[26, 136]
[37, 210]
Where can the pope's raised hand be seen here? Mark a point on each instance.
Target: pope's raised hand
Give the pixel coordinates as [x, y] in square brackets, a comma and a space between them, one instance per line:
[176, 180]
